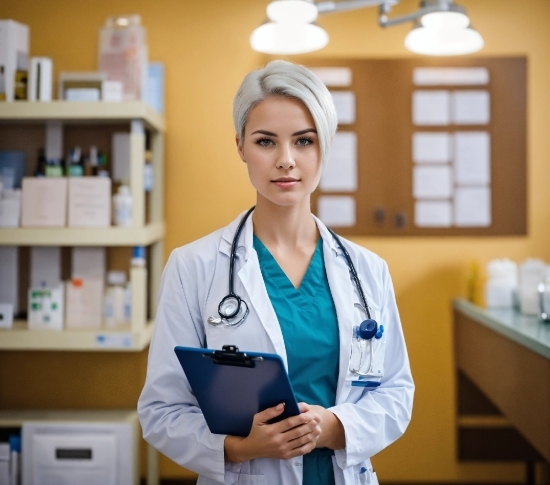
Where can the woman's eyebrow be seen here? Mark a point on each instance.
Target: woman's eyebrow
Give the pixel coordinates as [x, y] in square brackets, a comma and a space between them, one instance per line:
[301, 132]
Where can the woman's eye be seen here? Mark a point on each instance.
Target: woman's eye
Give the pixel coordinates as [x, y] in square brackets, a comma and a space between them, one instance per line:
[304, 141]
[264, 142]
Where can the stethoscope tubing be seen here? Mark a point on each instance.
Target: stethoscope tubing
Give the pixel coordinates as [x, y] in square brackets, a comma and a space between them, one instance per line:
[227, 317]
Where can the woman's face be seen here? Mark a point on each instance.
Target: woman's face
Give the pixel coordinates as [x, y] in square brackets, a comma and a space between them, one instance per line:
[281, 150]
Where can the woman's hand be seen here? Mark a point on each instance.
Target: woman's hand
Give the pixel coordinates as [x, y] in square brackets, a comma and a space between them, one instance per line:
[286, 439]
[332, 430]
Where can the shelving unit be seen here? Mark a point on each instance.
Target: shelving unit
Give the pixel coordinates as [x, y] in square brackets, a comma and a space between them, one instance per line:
[138, 117]
[14, 420]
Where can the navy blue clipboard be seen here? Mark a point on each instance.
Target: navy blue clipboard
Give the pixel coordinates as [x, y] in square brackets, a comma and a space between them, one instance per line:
[232, 386]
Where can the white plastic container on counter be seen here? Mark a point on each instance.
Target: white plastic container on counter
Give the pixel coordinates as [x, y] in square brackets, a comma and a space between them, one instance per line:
[531, 273]
[544, 296]
[502, 281]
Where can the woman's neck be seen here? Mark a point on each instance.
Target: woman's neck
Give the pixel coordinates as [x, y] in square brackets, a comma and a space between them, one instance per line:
[284, 227]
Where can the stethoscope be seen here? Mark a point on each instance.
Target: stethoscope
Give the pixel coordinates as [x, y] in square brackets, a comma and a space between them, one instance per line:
[233, 310]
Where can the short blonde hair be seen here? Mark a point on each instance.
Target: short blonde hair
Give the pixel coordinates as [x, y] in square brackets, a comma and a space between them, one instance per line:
[294, 81]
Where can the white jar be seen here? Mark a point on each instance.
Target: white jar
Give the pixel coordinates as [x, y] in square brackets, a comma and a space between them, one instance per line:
[502, 281]
[531, 273]
[544, 296]
[114, 311]
[122, 207]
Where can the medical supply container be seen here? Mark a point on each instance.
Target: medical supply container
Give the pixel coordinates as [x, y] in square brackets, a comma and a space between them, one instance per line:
[115, 297]
[502, 281]
[544, 296]
[122, 207]
[531, 273]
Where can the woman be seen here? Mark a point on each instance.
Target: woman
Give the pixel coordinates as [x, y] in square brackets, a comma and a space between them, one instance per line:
[304, 306]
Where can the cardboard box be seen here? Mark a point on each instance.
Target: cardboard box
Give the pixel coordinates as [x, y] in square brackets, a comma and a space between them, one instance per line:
[84, 303]
[45, 266]
[14, 60]
[41, 79]
[89, 202]
[9, 279]
[46, 308]
[44, 202]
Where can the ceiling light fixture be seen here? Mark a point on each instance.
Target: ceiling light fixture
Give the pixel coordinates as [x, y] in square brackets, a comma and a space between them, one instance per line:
[442, 28]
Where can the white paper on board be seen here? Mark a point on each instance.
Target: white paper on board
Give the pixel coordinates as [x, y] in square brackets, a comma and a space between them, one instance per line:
[344, 102]
[471, 107]
[431, 108]
[432, 182]
[333, 76]
[472, 161]
[433, 213]
[435, 147]
[450, 76]
[340, 174]
[336, 210]
[472, 207]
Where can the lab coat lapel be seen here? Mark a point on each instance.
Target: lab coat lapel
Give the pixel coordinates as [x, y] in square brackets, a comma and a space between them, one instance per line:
[251, 278]
[341, 288]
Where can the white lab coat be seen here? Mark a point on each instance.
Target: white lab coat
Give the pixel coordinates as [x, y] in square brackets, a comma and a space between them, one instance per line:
[193, 283]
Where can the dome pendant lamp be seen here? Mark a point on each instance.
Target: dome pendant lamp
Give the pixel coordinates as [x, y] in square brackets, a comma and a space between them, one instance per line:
[441, 27]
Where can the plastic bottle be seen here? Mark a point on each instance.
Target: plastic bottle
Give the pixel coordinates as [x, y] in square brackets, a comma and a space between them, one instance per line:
[138, 256]
[531, 273]
[128, 302]
[475, 285]
[502, 282]
[122, 207]
[148, 172]
[544, 296]
[114, 299]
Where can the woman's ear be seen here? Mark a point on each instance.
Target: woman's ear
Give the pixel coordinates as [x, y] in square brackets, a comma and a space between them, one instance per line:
[240, 147]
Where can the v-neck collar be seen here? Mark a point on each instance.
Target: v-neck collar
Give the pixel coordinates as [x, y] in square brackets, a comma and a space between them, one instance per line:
[309, 282]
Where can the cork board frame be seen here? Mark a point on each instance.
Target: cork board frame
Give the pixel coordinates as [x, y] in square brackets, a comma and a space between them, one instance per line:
[383, 89]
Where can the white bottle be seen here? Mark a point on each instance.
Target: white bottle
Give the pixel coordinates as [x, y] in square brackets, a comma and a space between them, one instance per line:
[114, 299]
[122, 207]
[128, 302]
[544, 296]
[501, 283]
[531, 273]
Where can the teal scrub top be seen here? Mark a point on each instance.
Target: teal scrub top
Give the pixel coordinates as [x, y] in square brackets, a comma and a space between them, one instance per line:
[309, 324]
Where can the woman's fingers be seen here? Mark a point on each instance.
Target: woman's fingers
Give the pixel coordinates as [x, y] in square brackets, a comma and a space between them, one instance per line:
[269, 414]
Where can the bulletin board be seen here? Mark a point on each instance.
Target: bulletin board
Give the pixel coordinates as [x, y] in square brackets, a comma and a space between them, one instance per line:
[398, 185]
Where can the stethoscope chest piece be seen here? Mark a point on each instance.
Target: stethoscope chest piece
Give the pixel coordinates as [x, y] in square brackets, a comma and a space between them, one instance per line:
[367, 330]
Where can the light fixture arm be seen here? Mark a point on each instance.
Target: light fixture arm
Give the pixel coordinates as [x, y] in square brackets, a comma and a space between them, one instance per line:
[384, 21]
[333, 7]
[428, 6]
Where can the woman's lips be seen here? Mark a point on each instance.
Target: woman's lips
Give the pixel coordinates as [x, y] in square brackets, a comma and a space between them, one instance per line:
[285, 183]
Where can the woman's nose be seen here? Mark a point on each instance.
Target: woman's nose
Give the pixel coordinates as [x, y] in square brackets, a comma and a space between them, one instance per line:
[285, 160]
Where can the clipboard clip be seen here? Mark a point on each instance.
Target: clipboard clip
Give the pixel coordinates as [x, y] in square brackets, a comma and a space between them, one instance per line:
[230, 355]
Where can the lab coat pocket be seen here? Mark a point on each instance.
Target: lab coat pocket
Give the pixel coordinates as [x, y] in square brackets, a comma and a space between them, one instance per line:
[232, 478]
[251, 480]
[365, 475]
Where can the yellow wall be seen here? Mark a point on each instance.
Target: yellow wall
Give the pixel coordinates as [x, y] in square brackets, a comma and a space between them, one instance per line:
[204, 45]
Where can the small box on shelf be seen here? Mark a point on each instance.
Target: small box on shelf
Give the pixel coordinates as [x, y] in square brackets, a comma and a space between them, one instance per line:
[44, 202]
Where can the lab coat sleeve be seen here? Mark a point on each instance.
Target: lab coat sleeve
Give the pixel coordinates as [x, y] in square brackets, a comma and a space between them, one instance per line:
[170, 417]
[381, 415]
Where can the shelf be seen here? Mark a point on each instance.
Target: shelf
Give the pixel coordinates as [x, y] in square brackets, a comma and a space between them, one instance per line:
[68, 236]
[483, 421]
[81, 111]
[122, 340]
